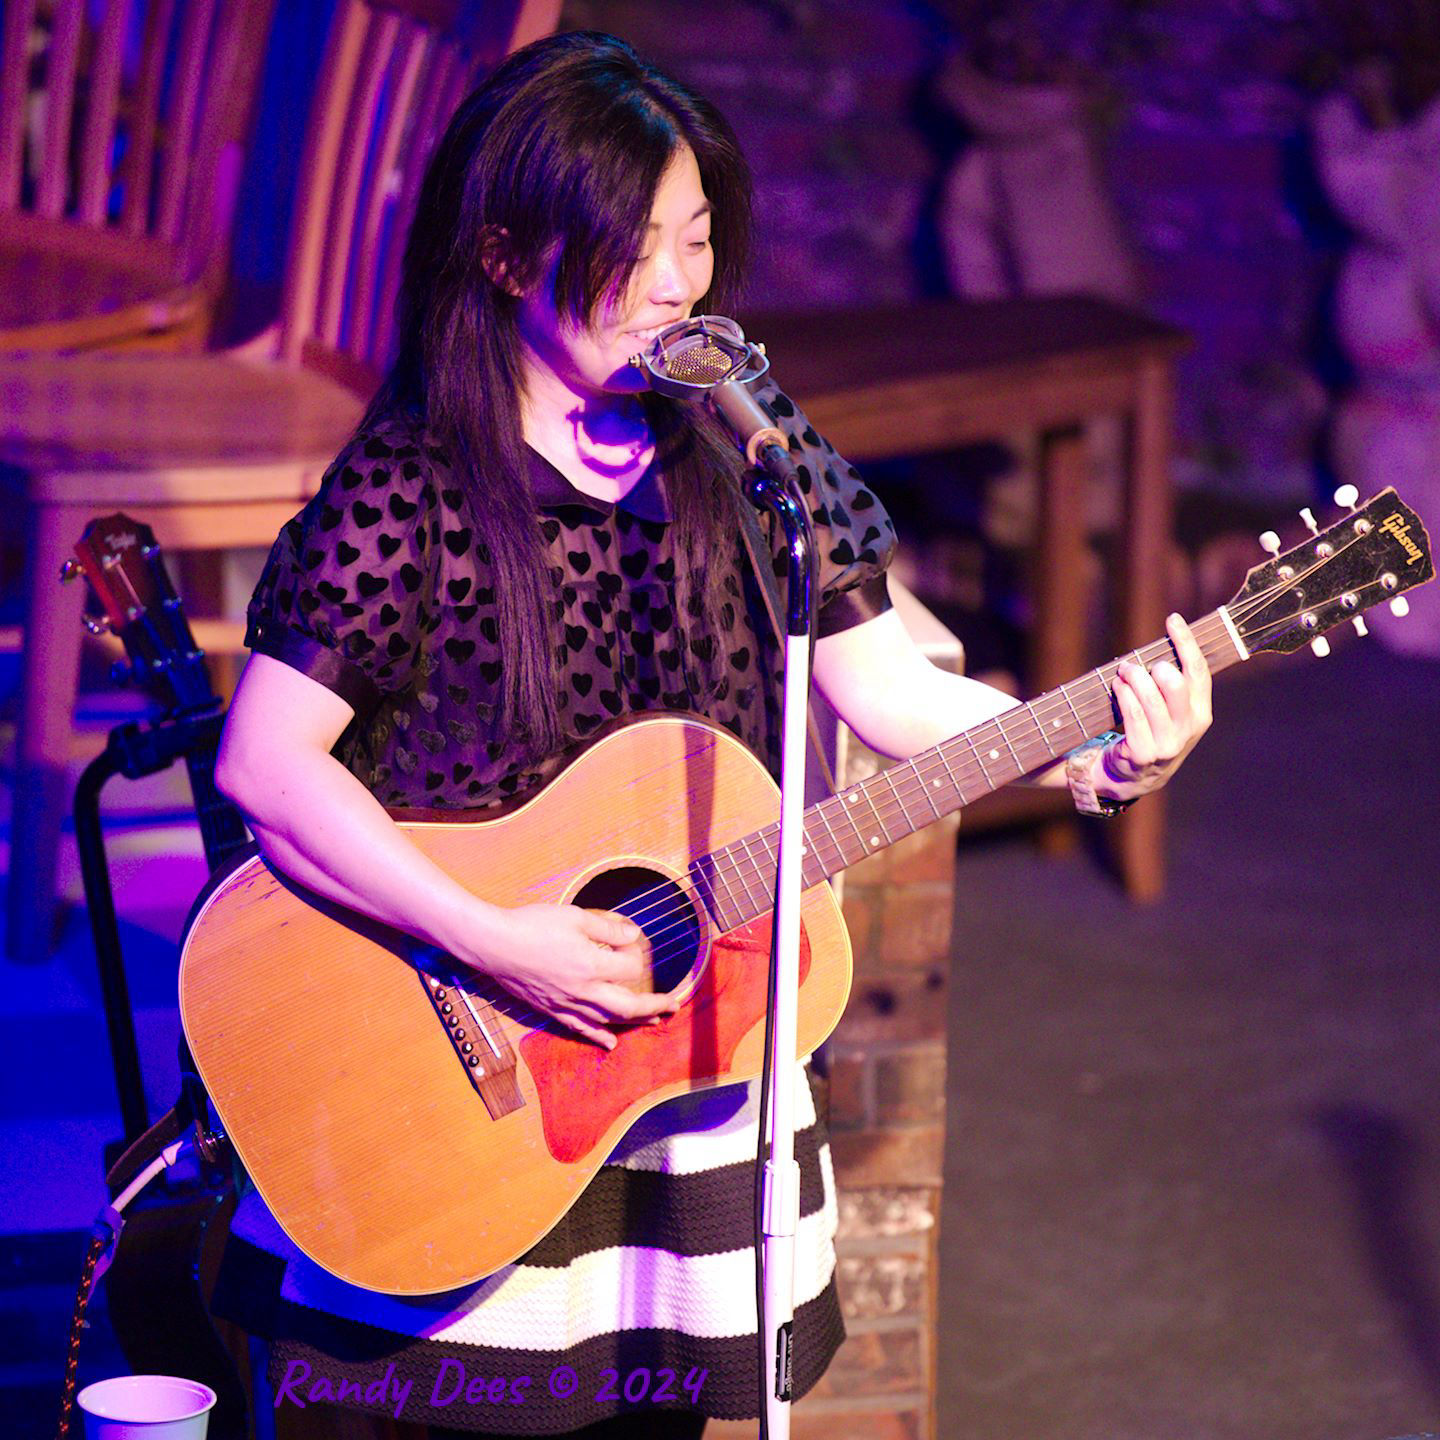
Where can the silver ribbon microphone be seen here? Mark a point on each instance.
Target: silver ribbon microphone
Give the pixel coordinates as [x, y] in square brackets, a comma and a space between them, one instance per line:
[707, 357]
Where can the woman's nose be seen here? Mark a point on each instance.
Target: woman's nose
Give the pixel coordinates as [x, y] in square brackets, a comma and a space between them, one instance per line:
[668, 283]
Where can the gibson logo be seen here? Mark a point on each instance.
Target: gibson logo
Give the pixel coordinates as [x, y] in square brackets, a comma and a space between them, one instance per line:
[1395, 525]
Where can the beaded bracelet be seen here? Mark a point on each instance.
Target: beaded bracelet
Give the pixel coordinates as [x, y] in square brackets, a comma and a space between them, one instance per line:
[1080, 766]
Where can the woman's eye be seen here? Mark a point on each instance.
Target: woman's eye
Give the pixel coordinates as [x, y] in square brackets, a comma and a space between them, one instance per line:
[696, 246]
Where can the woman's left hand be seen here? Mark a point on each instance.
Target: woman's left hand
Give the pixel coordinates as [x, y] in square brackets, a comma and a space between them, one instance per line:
[1164, 711]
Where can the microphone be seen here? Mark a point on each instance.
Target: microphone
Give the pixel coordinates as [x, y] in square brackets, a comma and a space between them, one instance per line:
[707, 357]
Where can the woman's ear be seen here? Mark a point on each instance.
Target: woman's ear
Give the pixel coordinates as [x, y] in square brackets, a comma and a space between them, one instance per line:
[494, 259]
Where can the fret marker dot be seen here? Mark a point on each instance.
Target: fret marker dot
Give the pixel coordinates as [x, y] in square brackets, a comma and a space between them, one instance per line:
[994, 754]
[874, 839]
[854, 799]
[1055, 724]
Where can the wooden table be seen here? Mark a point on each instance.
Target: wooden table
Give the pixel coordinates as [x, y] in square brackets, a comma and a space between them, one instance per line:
[906, 379]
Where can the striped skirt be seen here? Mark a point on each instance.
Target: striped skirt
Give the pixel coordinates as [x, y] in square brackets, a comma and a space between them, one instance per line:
[642, 1297]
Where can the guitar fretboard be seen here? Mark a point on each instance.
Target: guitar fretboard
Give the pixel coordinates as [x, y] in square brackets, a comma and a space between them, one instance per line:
[739, 879]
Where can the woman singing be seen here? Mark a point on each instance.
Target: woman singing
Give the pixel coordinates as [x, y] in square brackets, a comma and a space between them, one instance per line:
[519, 546]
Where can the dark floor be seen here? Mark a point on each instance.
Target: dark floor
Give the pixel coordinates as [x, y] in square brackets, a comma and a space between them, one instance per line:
[1193, 1176]
[1193, 1168]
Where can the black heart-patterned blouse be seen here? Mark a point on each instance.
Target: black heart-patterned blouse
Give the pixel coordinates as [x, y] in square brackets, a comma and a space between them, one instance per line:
[379, 591]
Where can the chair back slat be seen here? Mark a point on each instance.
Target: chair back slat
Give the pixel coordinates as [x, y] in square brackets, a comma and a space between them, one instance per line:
[237, 45]
[325, 132]
[377, 210]
[64, 52]
[393, 73]
[446, 76]
[101, 114]
[356, 158]
[14, 91]
[178, 151]
[136, 170]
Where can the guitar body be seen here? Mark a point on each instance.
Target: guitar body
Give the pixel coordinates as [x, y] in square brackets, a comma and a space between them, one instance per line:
[412, 1129]
[392, 1153]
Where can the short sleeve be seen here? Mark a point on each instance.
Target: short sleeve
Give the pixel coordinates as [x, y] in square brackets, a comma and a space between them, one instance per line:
[342, 597]
[854, 537]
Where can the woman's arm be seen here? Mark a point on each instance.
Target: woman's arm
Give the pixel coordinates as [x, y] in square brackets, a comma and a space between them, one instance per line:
[322, 827]
[879, 682]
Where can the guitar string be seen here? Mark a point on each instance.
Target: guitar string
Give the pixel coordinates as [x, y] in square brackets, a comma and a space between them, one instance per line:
[1214, 643]
[726, 856]
[663, 906]
[1219, 643]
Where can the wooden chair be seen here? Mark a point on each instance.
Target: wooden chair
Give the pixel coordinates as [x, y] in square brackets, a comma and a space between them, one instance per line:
[218, 451]
[121, 127]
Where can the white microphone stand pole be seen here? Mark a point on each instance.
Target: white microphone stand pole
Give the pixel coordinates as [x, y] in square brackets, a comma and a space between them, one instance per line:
[708, 356]
[781, 1195]
[769, 487]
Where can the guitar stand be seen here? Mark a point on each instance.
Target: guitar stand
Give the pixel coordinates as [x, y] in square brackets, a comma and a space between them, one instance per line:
[134, 750]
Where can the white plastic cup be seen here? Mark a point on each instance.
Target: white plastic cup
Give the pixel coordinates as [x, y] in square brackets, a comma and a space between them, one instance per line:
[146, 1407]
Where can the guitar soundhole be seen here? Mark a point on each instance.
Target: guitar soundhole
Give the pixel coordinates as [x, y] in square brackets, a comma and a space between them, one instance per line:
[660, 908]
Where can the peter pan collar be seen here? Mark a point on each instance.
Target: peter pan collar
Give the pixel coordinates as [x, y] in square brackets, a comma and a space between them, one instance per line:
[646, 499]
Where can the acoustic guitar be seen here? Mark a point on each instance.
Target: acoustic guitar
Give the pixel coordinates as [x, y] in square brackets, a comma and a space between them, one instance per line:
[413, 1128]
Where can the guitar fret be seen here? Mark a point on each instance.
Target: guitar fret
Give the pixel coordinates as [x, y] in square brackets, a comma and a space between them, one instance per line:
[976, 753]
[955, 784]
[852, 797]
[709, 875]
[925, 789]
[1040, 730]
[834, 841]
[1000, 726]
[1079, 723]
[900, 799]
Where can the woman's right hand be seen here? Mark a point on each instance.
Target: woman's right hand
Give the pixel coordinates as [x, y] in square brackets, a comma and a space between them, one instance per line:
[587, 969]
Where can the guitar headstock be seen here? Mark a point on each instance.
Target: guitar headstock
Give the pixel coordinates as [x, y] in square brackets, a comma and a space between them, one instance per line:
[122, 562]
[1374, 554]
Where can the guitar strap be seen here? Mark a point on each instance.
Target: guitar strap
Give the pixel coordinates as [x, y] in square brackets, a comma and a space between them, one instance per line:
[755, 548]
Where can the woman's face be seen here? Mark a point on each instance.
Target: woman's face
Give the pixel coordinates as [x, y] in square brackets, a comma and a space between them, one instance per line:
[674, 271]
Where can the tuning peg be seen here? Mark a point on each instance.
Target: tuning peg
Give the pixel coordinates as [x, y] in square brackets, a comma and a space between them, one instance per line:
[69, 571]
[94, 626]
[1346, 496]
[1400, 607]
[1308, 516]
[1321, 646]
[1358, 622]
[1270, 543]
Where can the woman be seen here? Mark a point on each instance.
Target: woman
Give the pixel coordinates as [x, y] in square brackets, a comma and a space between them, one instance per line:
[518, 546]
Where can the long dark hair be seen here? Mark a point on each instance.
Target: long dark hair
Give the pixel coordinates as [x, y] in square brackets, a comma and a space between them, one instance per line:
[559, 154]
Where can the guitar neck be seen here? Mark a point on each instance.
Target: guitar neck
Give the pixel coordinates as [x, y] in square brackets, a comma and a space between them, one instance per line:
[876, 812]
[222, 830]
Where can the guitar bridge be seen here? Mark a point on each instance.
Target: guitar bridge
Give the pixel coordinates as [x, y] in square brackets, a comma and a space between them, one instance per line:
[479, 1042]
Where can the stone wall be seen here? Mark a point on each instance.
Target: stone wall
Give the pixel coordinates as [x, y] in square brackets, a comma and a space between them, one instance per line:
[1202, 108]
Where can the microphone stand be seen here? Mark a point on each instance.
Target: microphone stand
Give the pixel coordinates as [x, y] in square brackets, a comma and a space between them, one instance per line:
[708, 356]
[770, 486]
[781, 1193]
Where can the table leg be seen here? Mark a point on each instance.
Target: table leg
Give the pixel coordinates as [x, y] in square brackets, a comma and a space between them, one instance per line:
[49, 678]
[1138, 840]
[1057, 645]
